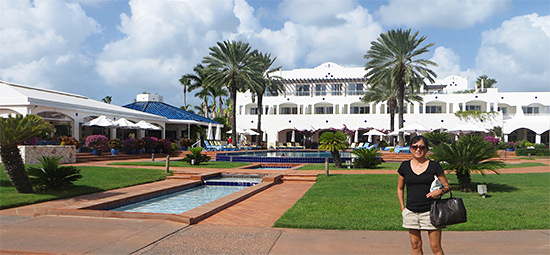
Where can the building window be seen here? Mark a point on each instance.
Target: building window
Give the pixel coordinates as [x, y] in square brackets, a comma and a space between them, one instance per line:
[473, 107]
[433, 109]
[504, 110]
[289, 110]
[336, 89]
[253, 111]
[530, 110]
[323, 110]
[320, 90]
[302, 90]
[360, 110]
[355, 89]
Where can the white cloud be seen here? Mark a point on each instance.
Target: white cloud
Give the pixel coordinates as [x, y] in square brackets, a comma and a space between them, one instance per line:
[517, 54]
[43, 49]
[443, 13]
[315, 12]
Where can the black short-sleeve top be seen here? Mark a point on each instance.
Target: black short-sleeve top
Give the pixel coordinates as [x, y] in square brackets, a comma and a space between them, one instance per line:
[419, 185]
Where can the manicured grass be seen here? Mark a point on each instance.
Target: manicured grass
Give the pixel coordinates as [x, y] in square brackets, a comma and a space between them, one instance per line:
[369, 202]
[95, 179]
[395, 165]
[209, 164]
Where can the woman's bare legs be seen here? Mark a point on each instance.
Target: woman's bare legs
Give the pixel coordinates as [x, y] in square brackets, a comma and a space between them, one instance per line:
[435, 241]
[416, 241]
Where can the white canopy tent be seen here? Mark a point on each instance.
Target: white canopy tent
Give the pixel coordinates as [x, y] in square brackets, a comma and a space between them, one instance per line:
[146, 125]
[124, 123]
[101, 121]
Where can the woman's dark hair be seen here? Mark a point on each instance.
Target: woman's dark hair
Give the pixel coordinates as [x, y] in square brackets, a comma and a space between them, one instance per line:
[419, 137]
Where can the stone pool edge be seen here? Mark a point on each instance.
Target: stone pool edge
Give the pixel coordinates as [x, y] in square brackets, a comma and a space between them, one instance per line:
[192, 216]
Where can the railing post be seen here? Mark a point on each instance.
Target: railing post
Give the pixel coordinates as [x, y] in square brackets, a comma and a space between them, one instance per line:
[153, 156]
[167, 163]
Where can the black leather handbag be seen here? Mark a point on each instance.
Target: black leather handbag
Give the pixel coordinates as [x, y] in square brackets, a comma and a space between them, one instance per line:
[448, 211]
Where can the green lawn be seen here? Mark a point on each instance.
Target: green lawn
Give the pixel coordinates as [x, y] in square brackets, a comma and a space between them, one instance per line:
[369, 202]
[395, 165]
[209, 164]
[95, 179]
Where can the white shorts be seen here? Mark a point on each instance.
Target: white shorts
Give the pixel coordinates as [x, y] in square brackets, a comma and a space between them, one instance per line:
[419, 221]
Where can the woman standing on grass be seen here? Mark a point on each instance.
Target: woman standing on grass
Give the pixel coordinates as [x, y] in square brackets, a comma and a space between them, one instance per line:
[417, 175]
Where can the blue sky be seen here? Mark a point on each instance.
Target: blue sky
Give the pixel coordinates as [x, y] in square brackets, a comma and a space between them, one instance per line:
[121, 48]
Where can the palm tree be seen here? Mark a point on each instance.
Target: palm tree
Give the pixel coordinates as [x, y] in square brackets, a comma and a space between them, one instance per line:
[469, 154]
[265, 82]
[486, 81]
[387, 92]
[231, 65]
[194, 81]
[14, 130]
[395, 54]
[107, 99]
[220, 94]
[334, 142]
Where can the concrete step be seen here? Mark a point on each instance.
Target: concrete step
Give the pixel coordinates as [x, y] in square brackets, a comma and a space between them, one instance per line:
[299, 179]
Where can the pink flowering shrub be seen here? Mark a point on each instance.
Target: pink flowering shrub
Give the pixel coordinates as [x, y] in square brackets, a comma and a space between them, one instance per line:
[98, 142]
[493, 140]
[150, 142]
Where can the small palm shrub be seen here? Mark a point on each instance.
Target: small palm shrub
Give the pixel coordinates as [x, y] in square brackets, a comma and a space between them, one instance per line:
[196, 157]
[50, 176]
[334, 142]
[367, 158]
[469, 154]
[438, 138]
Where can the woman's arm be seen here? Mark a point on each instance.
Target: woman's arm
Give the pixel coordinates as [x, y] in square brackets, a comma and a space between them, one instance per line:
[401, 191]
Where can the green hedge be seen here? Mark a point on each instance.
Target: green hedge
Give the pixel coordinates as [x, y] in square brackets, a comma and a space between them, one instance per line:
[533, 152]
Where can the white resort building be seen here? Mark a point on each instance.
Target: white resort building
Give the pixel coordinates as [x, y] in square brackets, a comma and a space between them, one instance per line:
[329, 97]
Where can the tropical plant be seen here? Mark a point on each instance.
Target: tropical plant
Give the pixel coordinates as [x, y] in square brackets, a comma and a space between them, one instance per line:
[266, 81]
[115, 144]
[31, 141]
[150, 142]
[493, 140]
[230, 65]
[70, 141]
[193, 81]
[185, 142]
[107, 99]
[196, 157]
[334, 142]
[14, 130]
[97, 142]
[130, 143]
[367, 158]
[50, 176]
[394, 54]
[486, 81]
[469, 154]
[387, 92]
[437, 138]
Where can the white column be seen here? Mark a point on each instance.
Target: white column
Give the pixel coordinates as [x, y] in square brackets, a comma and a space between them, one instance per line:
[505, 138]
[141, 133]
[113, 133]
[76, 129]
[537, 138]
[163, 133]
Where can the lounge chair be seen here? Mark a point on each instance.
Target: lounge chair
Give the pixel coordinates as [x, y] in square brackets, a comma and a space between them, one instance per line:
[299, 146]
[210, 147]
[281, 146]
[290, 146]
[402, 150]
[271, 146]
[352, 146]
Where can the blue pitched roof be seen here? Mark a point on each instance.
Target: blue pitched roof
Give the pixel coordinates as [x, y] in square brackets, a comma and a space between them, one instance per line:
[168, 111]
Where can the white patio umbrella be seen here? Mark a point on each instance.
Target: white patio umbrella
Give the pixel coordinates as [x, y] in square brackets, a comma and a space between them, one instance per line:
[293, 137]
[209, 135]
[375, 132]
[467, 128]
[244, 132]
[124, 123]
[396, 133]
[218, 132]
[414, 128]
[356, 136]
[101, 121]
[146, 125]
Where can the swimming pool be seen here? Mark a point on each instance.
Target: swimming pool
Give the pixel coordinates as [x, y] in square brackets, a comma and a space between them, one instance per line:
[186, 199]
[281, 156]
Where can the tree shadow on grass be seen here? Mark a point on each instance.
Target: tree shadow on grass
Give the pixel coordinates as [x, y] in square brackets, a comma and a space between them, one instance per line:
[494, 187]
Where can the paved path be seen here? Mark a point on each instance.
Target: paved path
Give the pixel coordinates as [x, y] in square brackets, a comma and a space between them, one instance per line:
[244, 228]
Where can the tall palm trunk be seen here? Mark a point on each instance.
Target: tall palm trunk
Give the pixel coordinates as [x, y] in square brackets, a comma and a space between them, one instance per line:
[336, 158]
[233, 92]
[392, 105]
[15, 169]
[400, 99]
[260, 110]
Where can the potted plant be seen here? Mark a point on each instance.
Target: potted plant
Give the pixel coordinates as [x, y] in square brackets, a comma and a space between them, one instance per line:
[130, 145]
[165, 145]
[185, 143]
[97, 143]
[70, 141]
[149, 143]
[115, 146]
